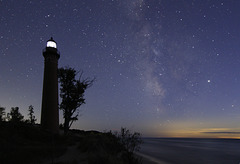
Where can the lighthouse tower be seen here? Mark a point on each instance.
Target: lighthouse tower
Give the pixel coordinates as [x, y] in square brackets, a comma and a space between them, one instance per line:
[49, 113]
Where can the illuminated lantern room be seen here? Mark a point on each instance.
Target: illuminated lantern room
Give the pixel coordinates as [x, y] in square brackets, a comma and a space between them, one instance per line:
[51, 43]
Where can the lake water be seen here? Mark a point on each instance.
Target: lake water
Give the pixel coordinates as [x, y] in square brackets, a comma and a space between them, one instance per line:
[191, 150]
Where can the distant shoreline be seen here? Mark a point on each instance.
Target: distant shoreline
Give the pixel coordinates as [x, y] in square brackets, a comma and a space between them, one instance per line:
[203, 138]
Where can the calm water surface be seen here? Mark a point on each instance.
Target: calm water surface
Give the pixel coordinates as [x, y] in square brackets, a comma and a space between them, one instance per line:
[192, 151]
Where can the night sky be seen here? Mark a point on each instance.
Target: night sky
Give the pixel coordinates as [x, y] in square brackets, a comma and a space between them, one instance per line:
[164, 68]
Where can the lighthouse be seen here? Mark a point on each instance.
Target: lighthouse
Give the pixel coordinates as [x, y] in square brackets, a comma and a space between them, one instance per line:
[49, 112]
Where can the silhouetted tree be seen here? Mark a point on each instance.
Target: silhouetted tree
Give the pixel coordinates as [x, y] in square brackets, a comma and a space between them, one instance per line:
[15, 116]
[2, 114]
[72, 94]
[31, 116]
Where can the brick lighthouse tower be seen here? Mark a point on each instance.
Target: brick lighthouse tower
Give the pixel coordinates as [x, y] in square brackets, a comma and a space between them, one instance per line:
[49, 113]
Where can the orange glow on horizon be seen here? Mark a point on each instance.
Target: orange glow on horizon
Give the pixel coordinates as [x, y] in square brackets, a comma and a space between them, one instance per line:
[195, 130]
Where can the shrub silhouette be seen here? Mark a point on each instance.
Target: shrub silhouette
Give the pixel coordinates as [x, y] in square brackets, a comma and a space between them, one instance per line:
[130, 141]
[15, 116]
[32, 118]
[110, 148]
[2, 114]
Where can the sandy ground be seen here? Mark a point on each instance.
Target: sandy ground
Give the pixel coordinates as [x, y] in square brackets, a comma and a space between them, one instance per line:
[149, 160]
[72, 155]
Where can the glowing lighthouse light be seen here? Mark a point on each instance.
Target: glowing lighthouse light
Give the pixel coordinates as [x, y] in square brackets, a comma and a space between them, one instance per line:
[51, 43]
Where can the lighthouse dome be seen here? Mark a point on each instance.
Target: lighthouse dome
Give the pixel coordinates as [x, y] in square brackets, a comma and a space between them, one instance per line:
[51, 43]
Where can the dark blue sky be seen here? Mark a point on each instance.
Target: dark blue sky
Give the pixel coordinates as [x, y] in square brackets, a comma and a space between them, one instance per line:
[163, 67]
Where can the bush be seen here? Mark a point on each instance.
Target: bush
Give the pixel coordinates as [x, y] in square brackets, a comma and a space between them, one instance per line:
[110, 148]
[15, 116]
[130, 141]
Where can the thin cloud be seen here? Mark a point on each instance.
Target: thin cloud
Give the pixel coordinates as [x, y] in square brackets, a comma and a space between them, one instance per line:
[221, 132]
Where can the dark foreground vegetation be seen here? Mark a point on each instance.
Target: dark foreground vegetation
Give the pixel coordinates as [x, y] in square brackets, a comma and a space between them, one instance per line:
[27, 143]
